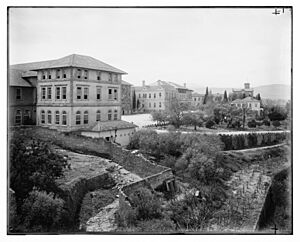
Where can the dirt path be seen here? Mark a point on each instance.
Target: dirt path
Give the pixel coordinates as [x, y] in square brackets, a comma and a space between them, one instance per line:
[258, 148]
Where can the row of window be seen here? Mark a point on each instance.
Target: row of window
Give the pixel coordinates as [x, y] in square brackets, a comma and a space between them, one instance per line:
[61, 117]
[80, 74]
[154, 105]
[18, 116]
[199, 99]
[149, 95]
[249, 105]
[82, 93]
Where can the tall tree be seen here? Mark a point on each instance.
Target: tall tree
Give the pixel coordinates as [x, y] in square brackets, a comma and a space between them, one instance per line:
[258, 97]
[133, 101]
[225, 99]
[205, 96]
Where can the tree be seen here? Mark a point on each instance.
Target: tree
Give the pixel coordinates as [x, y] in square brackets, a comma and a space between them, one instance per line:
[277, 113]
[194, 119]
[160, 117]
[205, 96]
[175, 112]
[138, 104]
[258, 97]
[225, 98]
[134, 101]
[34, 164]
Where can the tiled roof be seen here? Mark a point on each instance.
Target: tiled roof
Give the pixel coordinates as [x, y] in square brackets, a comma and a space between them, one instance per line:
[16, 79]
[74, 60]
[126, 83]
[112, 125]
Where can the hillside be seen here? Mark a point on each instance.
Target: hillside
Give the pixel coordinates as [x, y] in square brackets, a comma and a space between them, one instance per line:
[274, 91]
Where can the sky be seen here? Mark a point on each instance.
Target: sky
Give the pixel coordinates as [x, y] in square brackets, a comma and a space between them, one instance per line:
[202, 47]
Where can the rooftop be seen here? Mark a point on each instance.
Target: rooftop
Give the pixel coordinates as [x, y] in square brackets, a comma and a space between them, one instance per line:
[16, 79]
[74, 60]
[111, 125]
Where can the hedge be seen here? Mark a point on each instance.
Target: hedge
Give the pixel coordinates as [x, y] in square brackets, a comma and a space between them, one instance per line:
[252, 140]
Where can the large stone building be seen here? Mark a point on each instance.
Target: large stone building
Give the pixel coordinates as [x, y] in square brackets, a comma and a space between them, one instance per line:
[74, 93]
[197, 99]
[248, 102]
[159, 95]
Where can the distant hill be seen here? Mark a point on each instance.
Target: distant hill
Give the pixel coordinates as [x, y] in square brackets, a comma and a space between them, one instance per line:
[274, 91]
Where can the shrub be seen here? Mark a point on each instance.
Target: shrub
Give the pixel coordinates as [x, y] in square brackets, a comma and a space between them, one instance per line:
[266, 122]
[209, 124]
[276, 123]
[156, 225]
[42, 212]
[252, 124]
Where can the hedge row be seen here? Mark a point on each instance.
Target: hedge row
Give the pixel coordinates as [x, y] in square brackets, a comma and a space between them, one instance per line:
[244, 141]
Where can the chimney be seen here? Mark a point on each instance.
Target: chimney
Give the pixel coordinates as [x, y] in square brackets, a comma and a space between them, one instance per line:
[184, 84]
[143, 83]
[247, 85]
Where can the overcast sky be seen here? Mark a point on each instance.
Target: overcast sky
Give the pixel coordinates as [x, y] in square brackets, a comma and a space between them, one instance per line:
[202, 47]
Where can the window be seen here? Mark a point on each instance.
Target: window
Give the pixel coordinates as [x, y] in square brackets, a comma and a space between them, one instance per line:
[49, 74]
[64, 73]
[98, 115]
[149, 95]
[64, 118]
[85, 93]
[42, 117]
[18, 118]
[249, 105]
[98, 75]
[43, 75]
[86, 117]
[58, 74]
[85, 74]
[64, 93]
[57, 92]
[195, 99]
[26, 116]
[256, 105]
[98, 93]
[49, 117]
[19, 94]
[116, 115]
[79, 92]
[115, 94]
[78, 117]
[155, 105]
[159, 104]
[78, 73]
[154, 95]
[160, 94]
[109, 115]
[57, 117]
[49, 93]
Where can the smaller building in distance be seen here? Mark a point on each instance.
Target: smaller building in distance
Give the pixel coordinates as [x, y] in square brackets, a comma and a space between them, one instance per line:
[126, 97]
[242, 93]
[248, 102]
[197, 99]
[159, 95]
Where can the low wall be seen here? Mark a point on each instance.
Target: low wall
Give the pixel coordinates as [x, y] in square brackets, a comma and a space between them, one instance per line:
[74, 191]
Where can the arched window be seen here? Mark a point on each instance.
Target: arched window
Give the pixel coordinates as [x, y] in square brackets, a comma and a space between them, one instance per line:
[64, 118]
[57, 117]
[42, 117]
[98, 115]
[26, 116]
[109, 114]
[18, 117]
[49, 117]
[78, 117]
[116, 115]
[86, 117]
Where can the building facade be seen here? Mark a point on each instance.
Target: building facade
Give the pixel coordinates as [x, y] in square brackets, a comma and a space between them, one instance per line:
[248, 102]
[126, 98]
[197, 99]
[159, 95]
[242, 93]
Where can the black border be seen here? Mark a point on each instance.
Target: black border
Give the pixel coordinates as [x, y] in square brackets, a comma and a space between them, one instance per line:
[153, 7]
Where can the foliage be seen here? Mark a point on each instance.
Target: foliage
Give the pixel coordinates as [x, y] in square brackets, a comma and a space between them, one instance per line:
[34, 165]
[193, 119]
[134, 101]
[146, 205]
[160, 117]
[266, 122]
[156, 225]
[276, 123]
[42, 212]
[209, 124]
[252, 124]
[176, 111]
[225, 98]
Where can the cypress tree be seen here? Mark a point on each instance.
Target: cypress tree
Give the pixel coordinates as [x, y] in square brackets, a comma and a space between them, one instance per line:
[225, 97]
[133, 101]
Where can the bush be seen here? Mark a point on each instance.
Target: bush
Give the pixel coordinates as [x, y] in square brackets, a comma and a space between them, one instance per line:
[209, 124]
[252, 124]
[266, 122]
[42, 212]
[276, 123]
